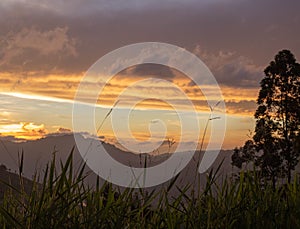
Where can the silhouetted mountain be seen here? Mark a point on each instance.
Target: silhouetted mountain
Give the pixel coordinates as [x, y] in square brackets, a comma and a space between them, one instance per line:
[38, 153]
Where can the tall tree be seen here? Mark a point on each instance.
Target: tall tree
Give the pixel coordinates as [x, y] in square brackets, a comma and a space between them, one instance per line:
[278, 118]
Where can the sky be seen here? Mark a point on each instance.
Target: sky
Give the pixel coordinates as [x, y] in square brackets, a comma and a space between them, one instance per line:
[46, 47]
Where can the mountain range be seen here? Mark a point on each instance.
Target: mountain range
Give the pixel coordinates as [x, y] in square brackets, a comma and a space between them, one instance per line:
[39, 152]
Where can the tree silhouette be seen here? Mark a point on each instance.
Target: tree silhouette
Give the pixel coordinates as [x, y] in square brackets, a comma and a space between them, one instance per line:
[3, 167]
[277, 119]
[243, 155]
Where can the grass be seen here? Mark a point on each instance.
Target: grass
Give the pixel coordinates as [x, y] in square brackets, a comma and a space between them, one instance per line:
[63, 200]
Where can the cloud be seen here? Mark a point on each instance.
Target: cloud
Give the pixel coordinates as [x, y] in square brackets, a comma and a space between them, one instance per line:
[9, 138]
[245, 27]
[231, 69]
[88, 6]
[22, 44]
[150, 70]
[63, 130]
[60, 131]
[23, 130]
[243, 107]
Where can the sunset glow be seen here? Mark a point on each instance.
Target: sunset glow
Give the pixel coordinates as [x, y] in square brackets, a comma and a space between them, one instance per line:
[46, 51]
[61, 89]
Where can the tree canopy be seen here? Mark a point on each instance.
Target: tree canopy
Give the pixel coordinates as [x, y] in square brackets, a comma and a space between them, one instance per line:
[273, 147]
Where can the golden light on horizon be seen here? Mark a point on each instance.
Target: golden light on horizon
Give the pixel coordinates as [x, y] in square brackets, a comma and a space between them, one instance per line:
[60, 88]
[23, 130]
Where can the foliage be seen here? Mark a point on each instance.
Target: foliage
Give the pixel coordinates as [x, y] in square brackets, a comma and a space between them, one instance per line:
[64, 201]
[277, 120]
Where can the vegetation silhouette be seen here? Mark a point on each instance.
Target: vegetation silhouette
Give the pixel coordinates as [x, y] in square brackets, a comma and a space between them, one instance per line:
[274, 147]
[63, 200]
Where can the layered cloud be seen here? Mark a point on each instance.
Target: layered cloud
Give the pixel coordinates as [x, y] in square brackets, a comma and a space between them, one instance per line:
[151, 90]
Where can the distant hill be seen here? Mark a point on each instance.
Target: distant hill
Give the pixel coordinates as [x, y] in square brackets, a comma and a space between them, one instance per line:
[38, 153]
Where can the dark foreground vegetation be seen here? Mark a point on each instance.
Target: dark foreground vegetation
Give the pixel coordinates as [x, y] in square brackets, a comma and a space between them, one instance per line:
[64, 201]
[274, 147]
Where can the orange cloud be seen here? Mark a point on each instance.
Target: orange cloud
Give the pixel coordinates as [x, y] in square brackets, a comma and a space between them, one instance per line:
[23, 130]
[64, 86]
